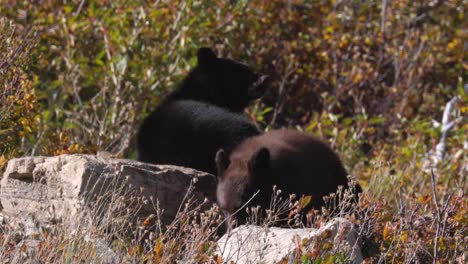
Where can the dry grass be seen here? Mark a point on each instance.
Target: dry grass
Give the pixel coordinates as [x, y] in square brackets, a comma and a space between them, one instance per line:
[411, 230]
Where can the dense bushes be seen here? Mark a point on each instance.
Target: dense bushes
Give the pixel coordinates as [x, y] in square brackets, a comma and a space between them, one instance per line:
[95, 60]
[368, 75]
[18, 104]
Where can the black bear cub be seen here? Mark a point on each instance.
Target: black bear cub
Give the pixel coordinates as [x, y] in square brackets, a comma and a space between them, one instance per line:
[293, 161]
[202, 115]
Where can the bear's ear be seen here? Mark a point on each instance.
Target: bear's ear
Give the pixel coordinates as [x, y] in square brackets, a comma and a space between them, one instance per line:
[258, 88]
[222, 162]
[206, 57]
[260, 161]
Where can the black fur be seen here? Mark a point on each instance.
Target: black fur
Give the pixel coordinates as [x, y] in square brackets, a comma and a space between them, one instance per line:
[221, 82]
[189, 133]
[202, 115]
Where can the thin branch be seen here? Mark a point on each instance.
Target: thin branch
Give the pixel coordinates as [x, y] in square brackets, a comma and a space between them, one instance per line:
[434, 196]
[79, 8]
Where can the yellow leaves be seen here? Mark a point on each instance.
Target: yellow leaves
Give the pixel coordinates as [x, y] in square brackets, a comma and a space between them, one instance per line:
[74, 148]
[454, 44]
[17, 105]
[368, 41]
[388, 231]
[3, 162]
[134, 250]
[461, 216]
[404, 237]
[324, 55]
[148, 220]
[30, 97]
[158, 248]
[304, 201]
[344, 41]
[441, 243]
[329, 260]
[380, 38]
[357, 78]
[424, 199]
[464, 109]
[23, 121]
[327, 246]
[356, 75]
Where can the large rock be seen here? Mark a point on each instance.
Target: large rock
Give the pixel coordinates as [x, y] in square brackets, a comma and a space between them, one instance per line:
[52, 188]
[255, 244]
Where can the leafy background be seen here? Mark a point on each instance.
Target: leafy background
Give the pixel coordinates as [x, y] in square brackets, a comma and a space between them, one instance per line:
[369, 76]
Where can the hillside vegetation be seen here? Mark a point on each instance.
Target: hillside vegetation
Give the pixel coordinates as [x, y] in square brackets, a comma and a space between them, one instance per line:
[372, 77]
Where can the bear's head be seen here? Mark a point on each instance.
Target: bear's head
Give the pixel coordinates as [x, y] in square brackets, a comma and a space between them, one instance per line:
[224, 82]
[242, 182]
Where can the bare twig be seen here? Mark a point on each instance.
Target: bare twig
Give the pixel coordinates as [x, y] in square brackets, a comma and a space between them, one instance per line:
[290, 69]
[434, 196]
[79, 8]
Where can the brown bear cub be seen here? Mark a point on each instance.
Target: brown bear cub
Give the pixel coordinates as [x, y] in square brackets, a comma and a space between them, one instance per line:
[293, 161]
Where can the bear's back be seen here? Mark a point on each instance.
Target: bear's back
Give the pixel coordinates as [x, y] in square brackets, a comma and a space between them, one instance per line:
[300, 163]
[188, 133]
[292, 145]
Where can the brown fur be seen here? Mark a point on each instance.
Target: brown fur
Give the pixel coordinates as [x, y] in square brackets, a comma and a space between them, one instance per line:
[297, 163]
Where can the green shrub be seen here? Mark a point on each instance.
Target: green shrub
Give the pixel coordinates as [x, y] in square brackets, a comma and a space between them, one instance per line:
[18, 103]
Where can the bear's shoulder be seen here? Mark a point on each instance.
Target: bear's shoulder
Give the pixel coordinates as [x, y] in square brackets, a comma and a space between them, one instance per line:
[220, 81]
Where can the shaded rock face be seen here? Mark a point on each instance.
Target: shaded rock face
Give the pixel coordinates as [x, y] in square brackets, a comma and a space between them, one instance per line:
[255, 244]
[54, 188]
